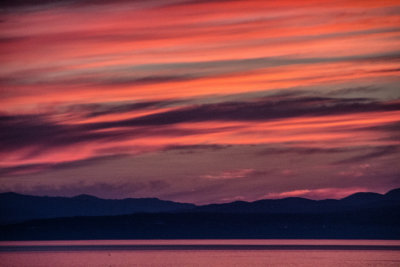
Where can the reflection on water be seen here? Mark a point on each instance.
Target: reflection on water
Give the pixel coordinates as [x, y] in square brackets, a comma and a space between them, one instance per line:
[120, 253]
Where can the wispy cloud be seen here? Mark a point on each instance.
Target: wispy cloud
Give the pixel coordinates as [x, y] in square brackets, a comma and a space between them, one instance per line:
[320, 193]
[233, 174]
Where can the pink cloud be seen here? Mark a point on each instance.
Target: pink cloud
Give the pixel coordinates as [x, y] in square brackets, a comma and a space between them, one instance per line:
[321, 193]
[234, 174]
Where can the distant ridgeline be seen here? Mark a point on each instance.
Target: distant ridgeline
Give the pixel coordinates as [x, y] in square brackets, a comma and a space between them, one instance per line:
[361, 215]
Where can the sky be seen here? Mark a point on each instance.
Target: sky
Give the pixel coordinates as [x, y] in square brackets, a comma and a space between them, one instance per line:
[199, 101]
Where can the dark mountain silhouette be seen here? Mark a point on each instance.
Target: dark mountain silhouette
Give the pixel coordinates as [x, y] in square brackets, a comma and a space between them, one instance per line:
[361, 215]
[393, 194]
[295, 205]
[17, 208]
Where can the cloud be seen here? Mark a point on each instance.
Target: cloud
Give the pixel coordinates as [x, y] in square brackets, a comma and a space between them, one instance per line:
[232, 174]
[377, 152]
[142, 80]
[354, 90]
[262, 110]
[147, 74]
[393, 127]
[18, 131]
[54, 3]
[40, 167]
[35, 130]
[90, 110]
[306, 150]
[188, 149]
[321, 193]
[23, 3]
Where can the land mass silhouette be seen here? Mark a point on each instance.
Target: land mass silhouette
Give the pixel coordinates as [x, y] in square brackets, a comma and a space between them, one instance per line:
[362, 215]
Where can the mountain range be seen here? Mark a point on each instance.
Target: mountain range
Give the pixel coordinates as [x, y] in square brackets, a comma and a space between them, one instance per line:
[361, 215]
[17, 208]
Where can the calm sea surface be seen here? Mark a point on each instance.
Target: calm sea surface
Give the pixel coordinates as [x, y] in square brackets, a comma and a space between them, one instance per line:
[175, 253]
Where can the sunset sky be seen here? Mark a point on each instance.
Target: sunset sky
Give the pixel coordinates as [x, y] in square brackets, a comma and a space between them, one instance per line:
[199, 101]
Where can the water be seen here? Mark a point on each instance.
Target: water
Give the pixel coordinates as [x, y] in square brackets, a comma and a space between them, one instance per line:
[175, 253]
